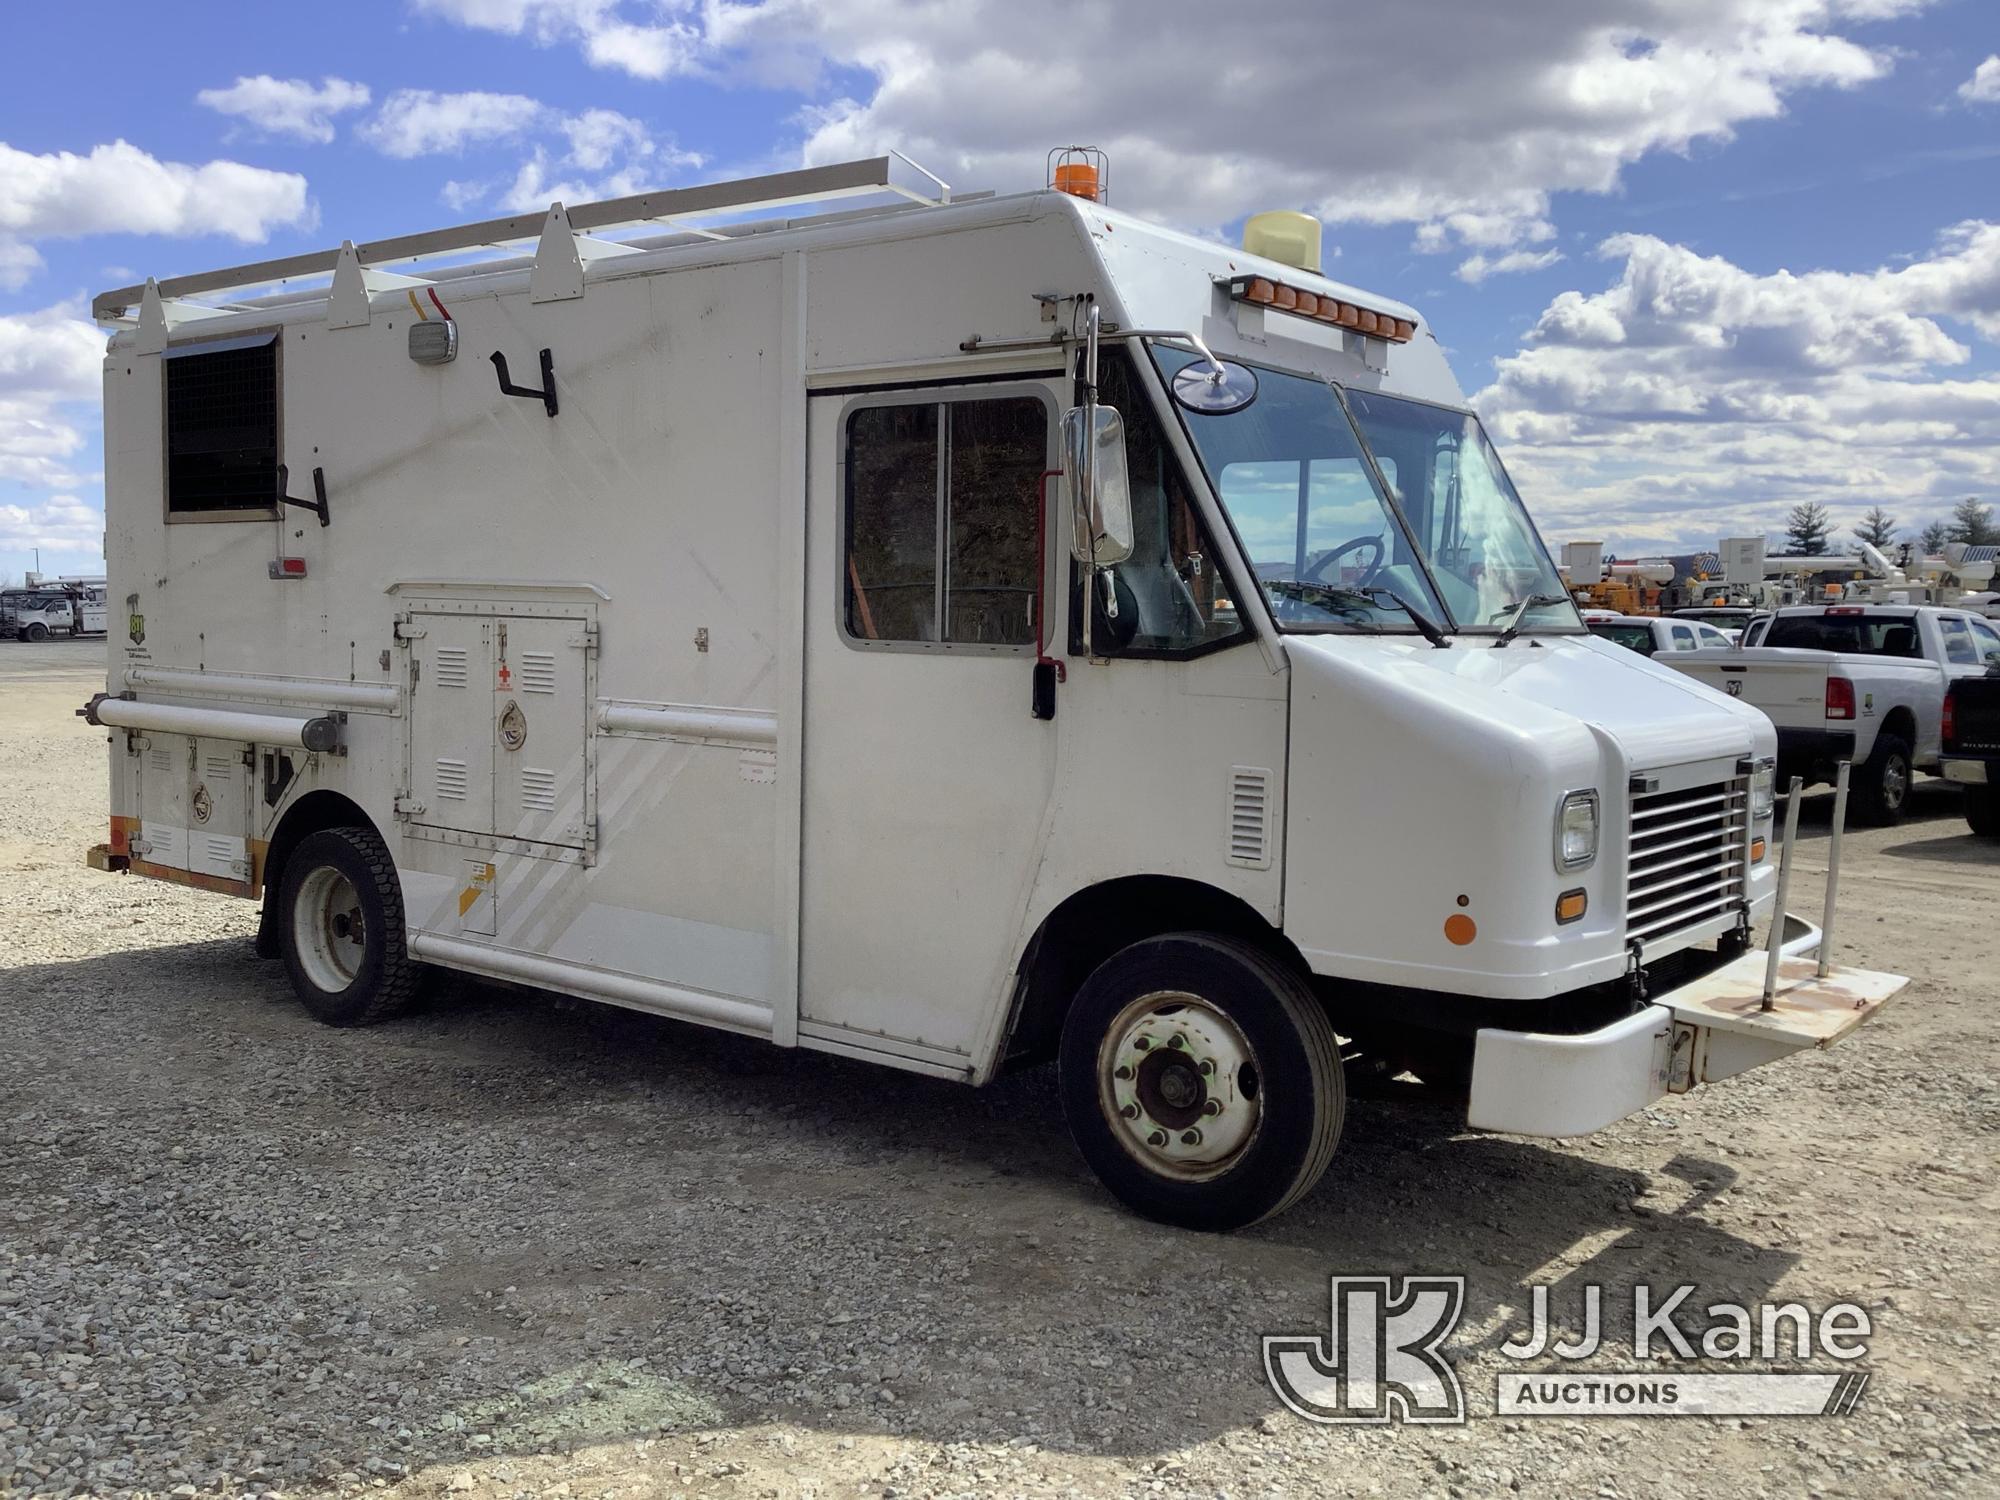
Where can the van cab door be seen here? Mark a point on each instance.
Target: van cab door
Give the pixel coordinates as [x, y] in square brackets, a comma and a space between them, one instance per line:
[926, 778]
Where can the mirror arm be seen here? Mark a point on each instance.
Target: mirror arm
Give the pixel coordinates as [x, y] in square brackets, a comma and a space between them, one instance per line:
[1087, 471]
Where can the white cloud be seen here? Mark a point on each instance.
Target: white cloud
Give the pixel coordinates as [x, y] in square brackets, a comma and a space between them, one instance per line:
[19, 262]
[1461, 119]
[1477, 268]
[287, 106]
[1983, 87]
[51, 360]
[602, 153]
[608, 38]
[418, 122]
[62, 525]
[119, 189]
[1694, 399]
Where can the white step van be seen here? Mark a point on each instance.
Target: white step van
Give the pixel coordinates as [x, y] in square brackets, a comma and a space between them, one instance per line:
[956, 635]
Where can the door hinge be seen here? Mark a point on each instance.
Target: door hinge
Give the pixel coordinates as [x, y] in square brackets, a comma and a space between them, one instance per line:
[407, 806]
[407, 631]
[584, 640]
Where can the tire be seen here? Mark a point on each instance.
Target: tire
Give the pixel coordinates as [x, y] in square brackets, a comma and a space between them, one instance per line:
[1982, 811]
[333, 880]
[1881, 790]
[35, 632]
[1269, 1134]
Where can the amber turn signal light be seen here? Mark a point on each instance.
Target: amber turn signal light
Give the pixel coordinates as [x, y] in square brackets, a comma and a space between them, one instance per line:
[1756, 851]
[1570, 907]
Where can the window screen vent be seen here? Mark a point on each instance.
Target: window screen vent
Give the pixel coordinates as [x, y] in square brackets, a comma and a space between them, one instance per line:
[222, 426]
[1250, 817]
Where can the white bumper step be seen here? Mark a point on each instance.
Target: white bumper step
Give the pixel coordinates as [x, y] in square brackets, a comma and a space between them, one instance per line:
[1534, 1083]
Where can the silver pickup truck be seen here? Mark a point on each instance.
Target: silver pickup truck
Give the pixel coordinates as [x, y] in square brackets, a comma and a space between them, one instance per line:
[1860, 682]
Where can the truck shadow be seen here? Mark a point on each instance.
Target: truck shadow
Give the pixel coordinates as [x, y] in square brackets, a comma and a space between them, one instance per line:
[556, 1224]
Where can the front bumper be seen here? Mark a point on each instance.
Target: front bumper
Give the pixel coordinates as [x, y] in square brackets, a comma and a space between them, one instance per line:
[1531, 1083]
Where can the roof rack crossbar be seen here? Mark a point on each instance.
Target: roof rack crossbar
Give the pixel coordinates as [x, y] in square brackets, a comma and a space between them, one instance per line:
[878, 174]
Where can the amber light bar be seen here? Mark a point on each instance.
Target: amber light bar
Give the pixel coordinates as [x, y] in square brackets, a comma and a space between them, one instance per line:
[1264, 292]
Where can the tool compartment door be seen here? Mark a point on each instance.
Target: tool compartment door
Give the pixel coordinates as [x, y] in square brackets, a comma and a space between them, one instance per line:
[452, 723]
[541, 779]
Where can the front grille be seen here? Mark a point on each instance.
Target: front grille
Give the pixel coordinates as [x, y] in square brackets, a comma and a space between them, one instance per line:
[1686, 862]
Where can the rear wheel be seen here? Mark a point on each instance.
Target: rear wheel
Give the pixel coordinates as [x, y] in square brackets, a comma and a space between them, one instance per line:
[341, 928]
[1882, 784]
[1201, 1081]
[1982, 811]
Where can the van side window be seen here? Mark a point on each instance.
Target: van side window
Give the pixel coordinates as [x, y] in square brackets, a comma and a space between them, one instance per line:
[1173, 597]
[942, 502]
[222, 428]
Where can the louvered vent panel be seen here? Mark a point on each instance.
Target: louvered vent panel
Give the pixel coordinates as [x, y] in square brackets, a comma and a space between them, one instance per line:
[221, 851]
[451, 778]
[161, 760]
[1250, 817]
[452, 670]
[538, 671]
[217, 767]
[538, 787]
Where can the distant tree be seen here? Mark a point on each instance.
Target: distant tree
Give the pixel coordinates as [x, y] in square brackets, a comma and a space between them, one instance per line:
[1877, 528]
[1972, 522]
[1933, 537]
[1807, 529]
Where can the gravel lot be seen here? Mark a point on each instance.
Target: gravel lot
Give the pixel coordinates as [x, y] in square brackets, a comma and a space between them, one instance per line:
[514, 1246]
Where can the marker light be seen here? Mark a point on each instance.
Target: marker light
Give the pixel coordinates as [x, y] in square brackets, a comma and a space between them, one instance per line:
[1756, 851]
[288, 567]
[1570, 906]
[1264, 292]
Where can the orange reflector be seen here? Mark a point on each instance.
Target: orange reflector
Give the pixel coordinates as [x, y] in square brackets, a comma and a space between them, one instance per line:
[1756, 851]
[1459, 929]
[1284, 297]
[1571, 905]
[1265, 292]
[1366, 321]
[1259, 290]
[1308, 305]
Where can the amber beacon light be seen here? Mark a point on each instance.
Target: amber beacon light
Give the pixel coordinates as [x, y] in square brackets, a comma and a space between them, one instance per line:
[1082, 172]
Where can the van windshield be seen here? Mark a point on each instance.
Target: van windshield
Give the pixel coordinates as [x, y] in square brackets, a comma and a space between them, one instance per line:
[1339, 530]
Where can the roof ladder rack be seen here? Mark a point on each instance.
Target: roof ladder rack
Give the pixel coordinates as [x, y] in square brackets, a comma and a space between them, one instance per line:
[358, 271]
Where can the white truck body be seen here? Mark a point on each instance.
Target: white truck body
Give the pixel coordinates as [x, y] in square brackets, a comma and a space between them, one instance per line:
[607, 682]
[37, 614]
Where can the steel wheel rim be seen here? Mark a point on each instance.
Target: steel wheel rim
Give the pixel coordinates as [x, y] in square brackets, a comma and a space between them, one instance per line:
[329, 930]
[1180, 1086]
[1895, 782]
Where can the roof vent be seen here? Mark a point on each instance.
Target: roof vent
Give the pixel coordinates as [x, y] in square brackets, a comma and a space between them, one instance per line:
[1284, 236]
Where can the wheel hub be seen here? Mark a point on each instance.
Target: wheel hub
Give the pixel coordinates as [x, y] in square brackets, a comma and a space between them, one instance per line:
[330, 928]
[1179, 1082]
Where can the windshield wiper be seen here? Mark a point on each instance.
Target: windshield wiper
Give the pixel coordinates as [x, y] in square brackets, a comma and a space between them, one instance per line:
[1513, 626]
[1368, 593]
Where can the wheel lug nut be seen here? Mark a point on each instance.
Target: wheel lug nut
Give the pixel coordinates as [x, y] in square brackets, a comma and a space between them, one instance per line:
[1207, 1068]
[1191, 1138]
[1142, 1043]
[1157, 1138]
[1122, 1072]
[1212, 1108]
[1130, 1111]
[1178, 1041]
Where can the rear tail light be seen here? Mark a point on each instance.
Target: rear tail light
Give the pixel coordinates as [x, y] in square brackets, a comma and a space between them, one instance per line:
[1950, 720]
[1839, 698]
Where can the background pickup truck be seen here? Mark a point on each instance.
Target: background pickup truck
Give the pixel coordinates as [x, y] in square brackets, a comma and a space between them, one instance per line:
[1972, 748]
[1852, 681]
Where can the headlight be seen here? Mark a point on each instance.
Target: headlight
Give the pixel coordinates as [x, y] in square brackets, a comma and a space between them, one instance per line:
[1763, 789]
[1576, 831]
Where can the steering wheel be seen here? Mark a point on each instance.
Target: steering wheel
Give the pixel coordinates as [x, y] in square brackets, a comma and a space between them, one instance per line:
[1317, 572]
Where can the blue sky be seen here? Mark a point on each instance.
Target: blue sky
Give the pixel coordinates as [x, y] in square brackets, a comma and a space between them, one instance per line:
[1698, 261]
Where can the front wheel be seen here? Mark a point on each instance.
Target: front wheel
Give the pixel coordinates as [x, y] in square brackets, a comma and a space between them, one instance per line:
[1202, 1081]
[35, 632]
[1882, 784]
[1982, 811]
[340, 928]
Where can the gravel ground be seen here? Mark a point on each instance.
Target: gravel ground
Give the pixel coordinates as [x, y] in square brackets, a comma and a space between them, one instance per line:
[514, 1246]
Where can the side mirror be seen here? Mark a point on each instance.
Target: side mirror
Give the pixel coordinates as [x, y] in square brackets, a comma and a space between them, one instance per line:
[1098, 486]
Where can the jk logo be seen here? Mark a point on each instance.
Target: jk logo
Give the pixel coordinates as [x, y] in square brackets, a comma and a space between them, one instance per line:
[1381, 1363]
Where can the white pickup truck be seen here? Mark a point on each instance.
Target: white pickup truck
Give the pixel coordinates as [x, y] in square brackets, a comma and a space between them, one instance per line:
[1860, 682]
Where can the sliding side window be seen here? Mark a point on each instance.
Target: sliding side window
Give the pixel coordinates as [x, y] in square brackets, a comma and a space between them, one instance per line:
[941, 536]
[222, 429]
